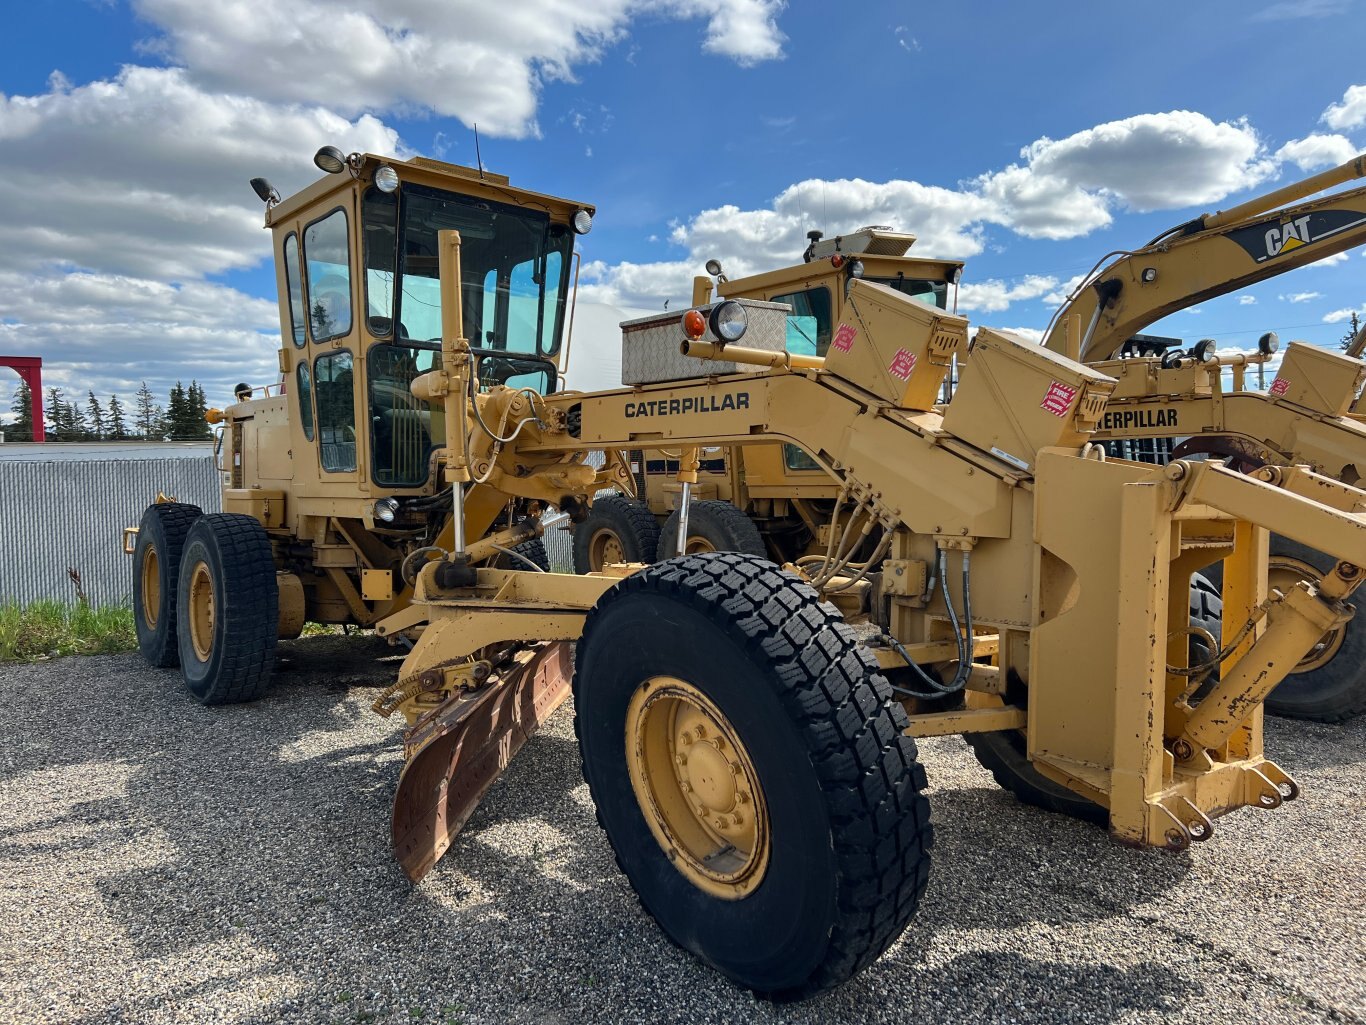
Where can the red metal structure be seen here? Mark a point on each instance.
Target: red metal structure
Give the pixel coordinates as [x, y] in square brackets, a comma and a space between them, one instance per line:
[30, 368]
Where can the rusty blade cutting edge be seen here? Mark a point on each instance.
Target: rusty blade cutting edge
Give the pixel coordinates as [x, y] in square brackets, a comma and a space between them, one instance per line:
[463, 747]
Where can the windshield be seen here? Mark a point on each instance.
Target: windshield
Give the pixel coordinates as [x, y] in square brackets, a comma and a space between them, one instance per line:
[935, 293]
[514, 267]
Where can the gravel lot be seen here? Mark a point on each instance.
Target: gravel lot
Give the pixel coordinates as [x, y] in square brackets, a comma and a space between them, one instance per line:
[160, 861]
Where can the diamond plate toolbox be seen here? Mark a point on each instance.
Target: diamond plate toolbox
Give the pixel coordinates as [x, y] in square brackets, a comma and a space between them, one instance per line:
[649, 345]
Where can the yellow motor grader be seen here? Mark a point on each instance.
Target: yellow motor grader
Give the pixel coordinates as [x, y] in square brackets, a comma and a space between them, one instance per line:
[746, 729]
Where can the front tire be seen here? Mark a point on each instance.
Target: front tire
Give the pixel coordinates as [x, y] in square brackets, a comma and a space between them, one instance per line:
[156, 577]
[800, 845]
[228, 609]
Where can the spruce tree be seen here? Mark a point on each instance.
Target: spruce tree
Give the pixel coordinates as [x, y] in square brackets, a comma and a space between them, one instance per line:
[22, 408]
[95, 417]
[147, 419]
[199, 405]
[118, 430]
[56, 413]
[178, 413]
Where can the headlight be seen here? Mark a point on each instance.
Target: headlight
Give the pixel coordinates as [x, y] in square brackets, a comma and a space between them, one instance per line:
[386, 509]
[729, 320]
[386, 178]
[856, 268]
[583, 222]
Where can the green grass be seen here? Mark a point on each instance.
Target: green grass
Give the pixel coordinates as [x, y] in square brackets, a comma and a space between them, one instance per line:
[46, 629]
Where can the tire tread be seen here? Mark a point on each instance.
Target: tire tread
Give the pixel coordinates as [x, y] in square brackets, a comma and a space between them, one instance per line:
[839, 703]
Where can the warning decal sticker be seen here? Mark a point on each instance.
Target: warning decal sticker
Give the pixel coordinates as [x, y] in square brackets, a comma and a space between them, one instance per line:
[844, 338]
[1059, 398]
[1279, 386]
[902, 364]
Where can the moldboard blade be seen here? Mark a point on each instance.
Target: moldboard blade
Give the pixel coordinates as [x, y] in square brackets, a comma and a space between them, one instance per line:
[457, 753]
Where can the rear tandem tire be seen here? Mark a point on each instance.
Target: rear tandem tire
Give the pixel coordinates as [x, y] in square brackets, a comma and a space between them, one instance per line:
[713, 526]
[156, 575]
[833, 854]
[617, 529]
[228, 609]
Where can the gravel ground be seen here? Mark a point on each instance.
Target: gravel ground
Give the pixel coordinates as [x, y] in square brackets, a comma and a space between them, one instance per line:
[160, 862]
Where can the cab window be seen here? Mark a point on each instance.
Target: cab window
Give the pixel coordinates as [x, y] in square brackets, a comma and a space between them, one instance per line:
[332, 375]
[935, 293]
[379, 234]
[294, 283]
[305, 393]
[808, 325]
[328, 260]
[403, 429]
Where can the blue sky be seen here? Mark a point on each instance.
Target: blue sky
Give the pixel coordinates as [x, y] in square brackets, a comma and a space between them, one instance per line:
[1028, 139]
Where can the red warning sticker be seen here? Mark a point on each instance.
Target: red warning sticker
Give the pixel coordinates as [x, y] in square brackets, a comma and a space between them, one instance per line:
[844, 337]
[902, 364]
[1059, 398]
[1279, 386]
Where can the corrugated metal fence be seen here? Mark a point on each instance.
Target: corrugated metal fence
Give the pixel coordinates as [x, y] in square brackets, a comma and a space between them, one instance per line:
[70, 514]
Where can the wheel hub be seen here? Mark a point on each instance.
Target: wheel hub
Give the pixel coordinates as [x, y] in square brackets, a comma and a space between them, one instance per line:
[151, 586]
[606, 549]
[201, 611]
[697, 787]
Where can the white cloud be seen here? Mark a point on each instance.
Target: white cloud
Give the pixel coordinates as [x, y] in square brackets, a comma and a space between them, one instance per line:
[1156, 161]
[1064, 189]
[744, 30]
[992, 296]
[1329, 261]
[478, 62]
[1315, 151]
[1029, 334]
[120, 196]
[110, 332]
[1301, 297]
[1247, 300]
[1059, 295]
[1337, 316]
[1350, 113]
[146, 174]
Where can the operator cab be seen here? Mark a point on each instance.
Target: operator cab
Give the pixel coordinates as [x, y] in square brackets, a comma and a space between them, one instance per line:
[361, 301]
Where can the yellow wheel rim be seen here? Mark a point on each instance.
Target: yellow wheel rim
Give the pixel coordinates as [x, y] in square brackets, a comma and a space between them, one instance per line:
[201, 611]
[604, 549]
[151, 586]
[698, 546]
[697, 787]
[1284, 574]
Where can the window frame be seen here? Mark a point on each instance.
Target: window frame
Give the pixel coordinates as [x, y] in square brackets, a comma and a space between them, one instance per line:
[308, 282]
[298, 332]
[355, 458]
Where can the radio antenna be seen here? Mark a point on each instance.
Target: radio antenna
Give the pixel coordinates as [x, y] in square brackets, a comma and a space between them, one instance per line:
[477, 155]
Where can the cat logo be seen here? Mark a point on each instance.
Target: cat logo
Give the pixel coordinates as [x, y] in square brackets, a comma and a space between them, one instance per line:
[1288, 236]
[1270, 239]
